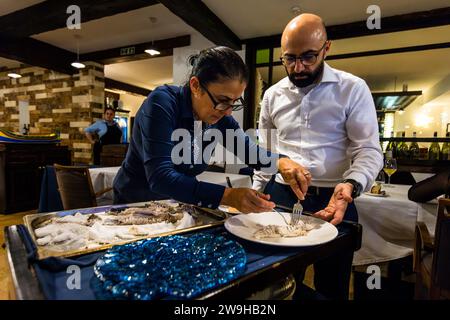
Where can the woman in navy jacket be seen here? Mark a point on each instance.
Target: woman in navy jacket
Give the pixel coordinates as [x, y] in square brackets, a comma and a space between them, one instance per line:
[161, 165]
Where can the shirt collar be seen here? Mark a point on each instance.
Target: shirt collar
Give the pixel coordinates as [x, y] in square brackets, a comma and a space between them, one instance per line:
[328, 75]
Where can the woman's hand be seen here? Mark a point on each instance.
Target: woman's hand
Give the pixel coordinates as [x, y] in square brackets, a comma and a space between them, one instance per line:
[247, 200]
[298, 177]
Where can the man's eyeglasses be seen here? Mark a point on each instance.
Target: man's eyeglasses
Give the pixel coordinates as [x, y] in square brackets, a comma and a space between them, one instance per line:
[224, 106]
[307, 59]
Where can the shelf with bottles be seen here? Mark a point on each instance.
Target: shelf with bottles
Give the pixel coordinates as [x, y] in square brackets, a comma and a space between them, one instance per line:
[398, 148]
[412, 139]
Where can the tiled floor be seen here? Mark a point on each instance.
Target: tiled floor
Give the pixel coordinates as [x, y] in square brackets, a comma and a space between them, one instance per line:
[5, 281]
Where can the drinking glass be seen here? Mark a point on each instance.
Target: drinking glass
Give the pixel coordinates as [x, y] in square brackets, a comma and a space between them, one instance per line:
[390, 166]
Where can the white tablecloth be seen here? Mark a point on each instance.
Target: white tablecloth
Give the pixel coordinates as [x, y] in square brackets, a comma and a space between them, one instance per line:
[389, 223]
[103, 178]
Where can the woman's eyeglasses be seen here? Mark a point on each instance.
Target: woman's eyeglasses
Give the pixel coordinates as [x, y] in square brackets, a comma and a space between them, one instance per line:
[307, 59]
[224, 106]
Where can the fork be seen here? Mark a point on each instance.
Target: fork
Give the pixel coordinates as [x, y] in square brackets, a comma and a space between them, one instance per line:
[296, 214]
[287, 223]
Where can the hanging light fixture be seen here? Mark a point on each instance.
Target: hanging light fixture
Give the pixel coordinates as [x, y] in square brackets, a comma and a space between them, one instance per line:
[14, 75]
[152, 50]
[77, 64]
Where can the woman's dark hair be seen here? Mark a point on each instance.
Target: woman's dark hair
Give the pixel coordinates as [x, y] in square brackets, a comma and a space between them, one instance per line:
[216, 64]
[109, 108]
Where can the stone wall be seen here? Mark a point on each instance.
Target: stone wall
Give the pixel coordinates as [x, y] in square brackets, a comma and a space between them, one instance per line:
[57, 103]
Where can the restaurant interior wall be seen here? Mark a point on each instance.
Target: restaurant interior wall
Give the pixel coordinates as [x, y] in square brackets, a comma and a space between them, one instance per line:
[57, 103]
[181, 71]
[132, 103]
[426, 70]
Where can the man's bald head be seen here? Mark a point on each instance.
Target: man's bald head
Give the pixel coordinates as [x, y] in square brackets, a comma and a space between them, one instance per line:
[304, 39]
[305, 30]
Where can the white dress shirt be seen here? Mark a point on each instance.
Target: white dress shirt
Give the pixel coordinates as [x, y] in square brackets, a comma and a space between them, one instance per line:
[329, 128]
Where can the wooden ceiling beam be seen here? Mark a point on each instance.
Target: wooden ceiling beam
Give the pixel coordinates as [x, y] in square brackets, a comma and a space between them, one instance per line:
[196, 14]
[52, 14]
[37, 53]
[403, 22]
[137, 51]
[118, 85]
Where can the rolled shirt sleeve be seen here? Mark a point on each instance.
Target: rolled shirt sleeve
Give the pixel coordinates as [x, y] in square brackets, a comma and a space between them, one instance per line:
[98, 127]
[362, 131]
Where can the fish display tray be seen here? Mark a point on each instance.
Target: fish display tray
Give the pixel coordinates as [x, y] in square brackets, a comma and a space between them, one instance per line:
[204, 218]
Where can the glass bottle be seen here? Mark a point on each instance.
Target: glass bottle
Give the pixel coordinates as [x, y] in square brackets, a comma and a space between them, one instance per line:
[414, 150]
[392, 147]
[434, 150]
[403, 150]
[445, 152]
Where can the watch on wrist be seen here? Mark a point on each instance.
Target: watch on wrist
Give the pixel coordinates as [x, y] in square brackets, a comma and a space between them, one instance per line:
[357, 187]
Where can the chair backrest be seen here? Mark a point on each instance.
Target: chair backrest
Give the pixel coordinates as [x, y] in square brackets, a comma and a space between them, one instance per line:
[441, 257]
[75, 187]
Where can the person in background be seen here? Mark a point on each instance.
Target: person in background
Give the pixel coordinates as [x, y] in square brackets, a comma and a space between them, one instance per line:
[214, 90]
[103, 132]
[325, 120]
[431, 188]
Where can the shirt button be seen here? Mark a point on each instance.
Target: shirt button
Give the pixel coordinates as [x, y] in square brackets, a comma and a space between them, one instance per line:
[199, 203]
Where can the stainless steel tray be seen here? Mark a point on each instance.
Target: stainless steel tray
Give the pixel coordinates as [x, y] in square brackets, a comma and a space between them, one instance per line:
[204, 218]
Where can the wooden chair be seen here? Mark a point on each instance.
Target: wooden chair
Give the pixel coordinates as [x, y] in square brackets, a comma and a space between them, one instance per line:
[432, 257]
[75, 187]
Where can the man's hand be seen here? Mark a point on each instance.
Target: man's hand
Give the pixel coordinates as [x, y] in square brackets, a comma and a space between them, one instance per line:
[298, 177]
[337, 206]
[247, 200]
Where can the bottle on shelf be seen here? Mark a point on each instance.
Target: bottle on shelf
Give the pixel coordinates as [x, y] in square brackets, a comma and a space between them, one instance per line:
[392, 147]
[414, 150]
[434, 150]
[445, 152]
[402, 149]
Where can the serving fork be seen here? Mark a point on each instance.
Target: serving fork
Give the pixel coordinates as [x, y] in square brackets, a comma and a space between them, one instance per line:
[296, 213]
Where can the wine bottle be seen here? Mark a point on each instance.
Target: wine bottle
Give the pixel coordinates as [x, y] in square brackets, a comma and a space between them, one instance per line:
[402, 149]
[445, 152]
[414, 150]
[434, 150]
[392, 147]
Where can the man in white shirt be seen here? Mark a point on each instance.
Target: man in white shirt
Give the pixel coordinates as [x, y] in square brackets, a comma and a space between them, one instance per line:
[324, 119]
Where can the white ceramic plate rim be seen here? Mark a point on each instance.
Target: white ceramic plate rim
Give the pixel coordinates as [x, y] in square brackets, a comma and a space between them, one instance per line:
[245, 225]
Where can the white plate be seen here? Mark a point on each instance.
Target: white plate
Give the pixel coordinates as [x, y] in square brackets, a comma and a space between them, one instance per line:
[376, 194]
[229, 209]
[245, 225]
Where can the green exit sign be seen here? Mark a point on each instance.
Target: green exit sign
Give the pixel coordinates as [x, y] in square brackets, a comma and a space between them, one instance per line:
[127, 51]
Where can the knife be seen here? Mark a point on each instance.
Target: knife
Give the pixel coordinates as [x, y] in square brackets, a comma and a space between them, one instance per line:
[307, 213]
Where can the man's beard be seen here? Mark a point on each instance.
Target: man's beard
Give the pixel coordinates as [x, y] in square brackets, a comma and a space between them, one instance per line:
[310, 76]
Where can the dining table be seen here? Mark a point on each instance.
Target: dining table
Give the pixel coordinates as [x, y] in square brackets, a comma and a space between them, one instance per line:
[103, 177]
[389, 222]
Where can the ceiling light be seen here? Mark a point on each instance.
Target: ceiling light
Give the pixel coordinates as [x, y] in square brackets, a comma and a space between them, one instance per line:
[77, 64]
[14, 75]
[152, 52]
